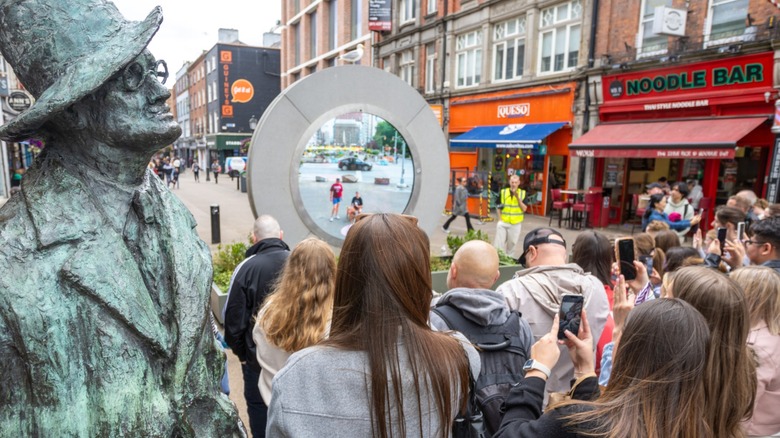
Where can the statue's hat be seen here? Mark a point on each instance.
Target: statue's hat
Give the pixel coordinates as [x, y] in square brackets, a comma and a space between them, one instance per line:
[63, 50]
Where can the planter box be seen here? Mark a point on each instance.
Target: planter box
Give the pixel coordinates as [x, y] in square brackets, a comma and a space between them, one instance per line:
[218, 299]
[382, 181]
[439, 278]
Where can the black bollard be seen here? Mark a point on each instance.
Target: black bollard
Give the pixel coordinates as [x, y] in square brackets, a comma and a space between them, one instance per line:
[215, 238]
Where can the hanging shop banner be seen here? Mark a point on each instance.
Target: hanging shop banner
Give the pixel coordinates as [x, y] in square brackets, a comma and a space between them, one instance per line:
[729, 73]
[773, 187]
[19, 101]
[380, 15]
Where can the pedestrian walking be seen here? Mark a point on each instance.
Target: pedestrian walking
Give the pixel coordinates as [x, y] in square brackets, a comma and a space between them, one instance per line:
[216, 169]
[459, 206]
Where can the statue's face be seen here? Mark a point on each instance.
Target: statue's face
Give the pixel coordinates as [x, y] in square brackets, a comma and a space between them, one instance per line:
[133, 114]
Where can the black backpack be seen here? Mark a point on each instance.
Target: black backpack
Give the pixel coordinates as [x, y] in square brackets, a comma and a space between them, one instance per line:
[502, 353]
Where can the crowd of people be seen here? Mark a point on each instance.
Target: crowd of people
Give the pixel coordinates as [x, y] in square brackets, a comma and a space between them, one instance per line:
[364, 347]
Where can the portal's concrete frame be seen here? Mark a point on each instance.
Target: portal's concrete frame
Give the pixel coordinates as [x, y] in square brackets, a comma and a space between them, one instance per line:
[293, 117]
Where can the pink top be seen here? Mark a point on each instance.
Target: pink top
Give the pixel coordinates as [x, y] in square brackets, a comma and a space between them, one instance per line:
[766, 411]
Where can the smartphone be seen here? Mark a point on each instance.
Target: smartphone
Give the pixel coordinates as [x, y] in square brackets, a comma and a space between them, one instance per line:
[648, 262]
[570, 314]
[741, 231]
[722, 238]
[625, 257]
[701, 211]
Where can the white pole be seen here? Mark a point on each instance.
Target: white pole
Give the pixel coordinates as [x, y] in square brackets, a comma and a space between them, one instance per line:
[5, 183]
[401, 184]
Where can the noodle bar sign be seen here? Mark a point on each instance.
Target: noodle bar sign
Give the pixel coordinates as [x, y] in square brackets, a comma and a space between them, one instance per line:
[744, 72]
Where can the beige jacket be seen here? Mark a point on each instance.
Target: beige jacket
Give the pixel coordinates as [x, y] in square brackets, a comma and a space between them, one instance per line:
[766, 410]
[536, 292]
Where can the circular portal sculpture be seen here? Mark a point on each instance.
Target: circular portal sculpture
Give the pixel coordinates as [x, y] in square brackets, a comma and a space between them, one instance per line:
[293, 117]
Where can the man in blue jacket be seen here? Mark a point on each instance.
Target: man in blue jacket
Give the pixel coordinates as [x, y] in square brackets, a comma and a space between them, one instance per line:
[251, 282]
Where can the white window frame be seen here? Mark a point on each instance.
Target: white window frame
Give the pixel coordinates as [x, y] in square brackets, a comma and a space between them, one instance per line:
[509, 32]
[432, 6]
[408, 11]
[640, 35]
[559, 25]
[468, 57]
[430, 68]
[406, 67]
[708, 24]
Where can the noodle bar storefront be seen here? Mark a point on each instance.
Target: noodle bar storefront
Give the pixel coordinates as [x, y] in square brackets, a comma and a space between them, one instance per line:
[708, 121]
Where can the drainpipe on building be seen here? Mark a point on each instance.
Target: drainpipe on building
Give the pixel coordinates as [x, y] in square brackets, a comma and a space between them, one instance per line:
[5, 180]
[586, 114]
[773, 186]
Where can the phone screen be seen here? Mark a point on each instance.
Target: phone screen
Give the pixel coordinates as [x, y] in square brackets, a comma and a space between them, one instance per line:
[722, 238]
[626, 258]
[648, 261]
[570, 315]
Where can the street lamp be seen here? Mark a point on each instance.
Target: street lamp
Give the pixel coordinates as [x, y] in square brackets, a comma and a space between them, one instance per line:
[401, 184]
[253, 122]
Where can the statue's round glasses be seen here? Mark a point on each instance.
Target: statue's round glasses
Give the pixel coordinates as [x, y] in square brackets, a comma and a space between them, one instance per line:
[134, 75]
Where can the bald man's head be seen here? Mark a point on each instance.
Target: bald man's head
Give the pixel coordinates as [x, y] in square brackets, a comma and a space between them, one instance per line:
[475, 266]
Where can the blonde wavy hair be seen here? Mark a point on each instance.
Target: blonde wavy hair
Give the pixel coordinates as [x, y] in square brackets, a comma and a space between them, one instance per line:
[761, 289]
[297, 312]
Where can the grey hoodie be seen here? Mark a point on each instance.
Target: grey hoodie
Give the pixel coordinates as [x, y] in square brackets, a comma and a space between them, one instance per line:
[482, 306]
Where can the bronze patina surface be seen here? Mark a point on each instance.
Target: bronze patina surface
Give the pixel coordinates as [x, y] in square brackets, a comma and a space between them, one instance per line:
[104, 283]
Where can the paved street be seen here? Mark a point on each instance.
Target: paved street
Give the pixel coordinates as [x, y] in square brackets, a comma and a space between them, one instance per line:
[236, 222]
[236, 216]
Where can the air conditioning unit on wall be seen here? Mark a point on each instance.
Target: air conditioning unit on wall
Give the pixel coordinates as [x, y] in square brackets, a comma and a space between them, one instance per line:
[669, 21]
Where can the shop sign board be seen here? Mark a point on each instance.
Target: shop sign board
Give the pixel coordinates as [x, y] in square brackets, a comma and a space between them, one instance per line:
[514, 110]
[380, 15]
[742, 72]
[634, 152]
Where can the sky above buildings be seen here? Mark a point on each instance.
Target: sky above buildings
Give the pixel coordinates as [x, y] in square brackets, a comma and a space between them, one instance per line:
[190, 26]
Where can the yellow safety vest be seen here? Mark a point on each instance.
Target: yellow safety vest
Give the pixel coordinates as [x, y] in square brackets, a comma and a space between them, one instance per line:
[511, 213]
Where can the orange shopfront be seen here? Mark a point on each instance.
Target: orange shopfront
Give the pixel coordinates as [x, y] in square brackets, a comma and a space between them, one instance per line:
[524, 131]
[707, 121]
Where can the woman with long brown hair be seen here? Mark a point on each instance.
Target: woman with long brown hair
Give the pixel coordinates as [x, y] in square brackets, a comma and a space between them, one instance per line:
[382, 372]
[593, 252]
[730, 378]
[656, 389]
[762, 290]
[297, 312]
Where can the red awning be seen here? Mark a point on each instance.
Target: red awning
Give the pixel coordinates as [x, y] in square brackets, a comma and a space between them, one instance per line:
[701, 138]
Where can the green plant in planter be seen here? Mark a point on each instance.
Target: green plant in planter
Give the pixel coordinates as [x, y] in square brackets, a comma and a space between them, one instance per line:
[440, 263]
[455, 242]
[225, 261]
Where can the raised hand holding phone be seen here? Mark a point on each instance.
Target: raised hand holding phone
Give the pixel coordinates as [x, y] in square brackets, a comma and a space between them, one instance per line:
[581, 348]
[623, 304]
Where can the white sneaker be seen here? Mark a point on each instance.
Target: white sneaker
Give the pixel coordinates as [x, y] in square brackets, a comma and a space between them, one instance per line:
[338, 217]
[331, 219]
[446, 231]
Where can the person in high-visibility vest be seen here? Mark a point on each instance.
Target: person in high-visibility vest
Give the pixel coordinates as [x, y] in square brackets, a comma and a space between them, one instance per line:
[511, 211]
